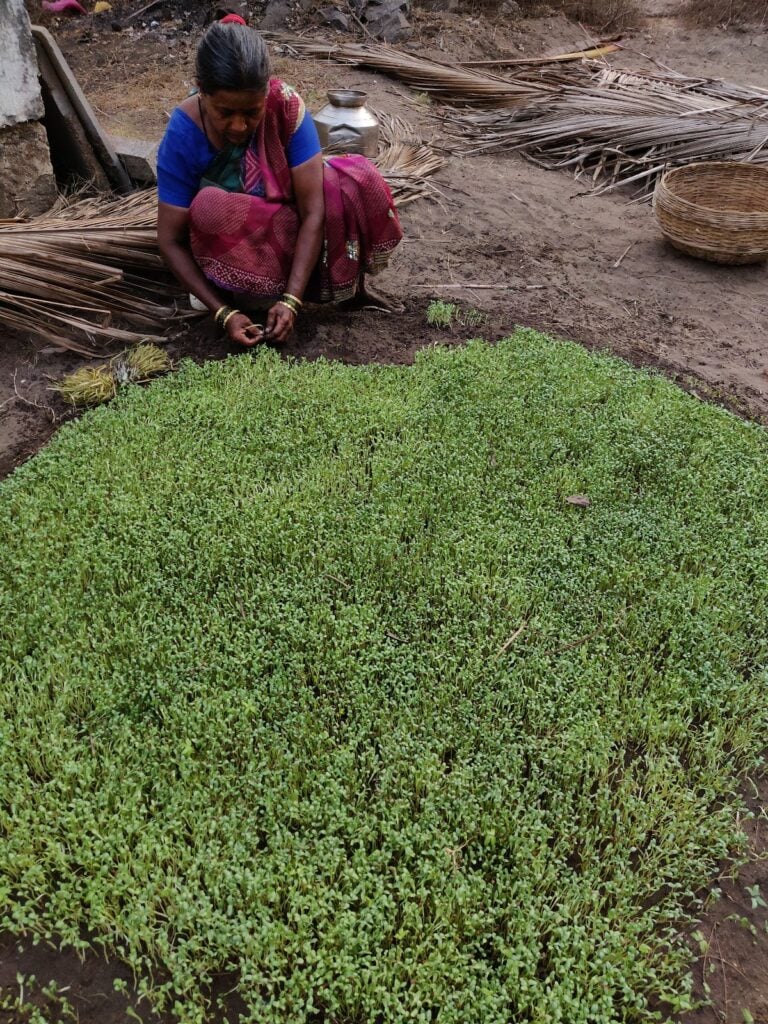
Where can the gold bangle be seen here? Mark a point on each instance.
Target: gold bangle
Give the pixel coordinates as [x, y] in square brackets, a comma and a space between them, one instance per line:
[218, 313]
[287, 295]
[288, 305]
[228, 317]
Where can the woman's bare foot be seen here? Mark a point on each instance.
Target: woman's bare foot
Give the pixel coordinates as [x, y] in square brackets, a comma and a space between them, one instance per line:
[368, 299]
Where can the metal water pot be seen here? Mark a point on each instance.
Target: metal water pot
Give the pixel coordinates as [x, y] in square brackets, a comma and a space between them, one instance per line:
[346, 125]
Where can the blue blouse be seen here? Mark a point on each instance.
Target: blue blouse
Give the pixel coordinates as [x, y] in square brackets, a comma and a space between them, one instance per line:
[185, 154]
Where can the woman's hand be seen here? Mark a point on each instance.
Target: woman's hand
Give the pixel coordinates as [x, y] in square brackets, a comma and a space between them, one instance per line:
[280, 321]
[241, 330]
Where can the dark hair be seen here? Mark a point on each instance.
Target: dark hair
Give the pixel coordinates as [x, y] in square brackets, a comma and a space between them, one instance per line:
[232, 57]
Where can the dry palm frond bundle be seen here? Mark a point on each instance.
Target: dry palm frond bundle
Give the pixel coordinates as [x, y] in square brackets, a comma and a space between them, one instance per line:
[65, 275]
[616, 128]
[450, 83]
[406, 161]
[717, 88]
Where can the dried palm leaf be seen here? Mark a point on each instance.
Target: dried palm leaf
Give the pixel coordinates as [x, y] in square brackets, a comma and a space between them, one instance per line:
[406, 168]
[449, 82]
[406, 161]
[622, 127]
[601, 50]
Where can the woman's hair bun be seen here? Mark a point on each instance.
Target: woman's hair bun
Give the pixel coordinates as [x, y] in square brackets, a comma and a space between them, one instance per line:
[232, 56]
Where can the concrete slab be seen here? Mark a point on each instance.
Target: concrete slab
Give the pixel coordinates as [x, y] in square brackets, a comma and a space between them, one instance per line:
[98, 139]
[72, 155]
[139, 157]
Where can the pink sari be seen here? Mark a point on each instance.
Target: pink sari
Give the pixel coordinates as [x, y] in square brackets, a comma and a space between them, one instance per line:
[244, 222]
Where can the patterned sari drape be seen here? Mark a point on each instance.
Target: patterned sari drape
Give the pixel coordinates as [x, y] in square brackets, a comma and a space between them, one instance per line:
[244, 221]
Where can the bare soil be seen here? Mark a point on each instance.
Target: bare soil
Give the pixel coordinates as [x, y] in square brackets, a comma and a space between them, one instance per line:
[592, 269]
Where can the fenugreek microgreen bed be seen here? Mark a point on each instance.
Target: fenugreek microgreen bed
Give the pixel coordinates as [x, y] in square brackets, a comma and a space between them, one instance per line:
[312, 674]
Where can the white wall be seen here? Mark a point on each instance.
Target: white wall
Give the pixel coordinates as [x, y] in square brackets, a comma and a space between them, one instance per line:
[20, 98]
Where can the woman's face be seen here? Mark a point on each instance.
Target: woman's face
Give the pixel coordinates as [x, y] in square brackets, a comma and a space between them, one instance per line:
[235, 116]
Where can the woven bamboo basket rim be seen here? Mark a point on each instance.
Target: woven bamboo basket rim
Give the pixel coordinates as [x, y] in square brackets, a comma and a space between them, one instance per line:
[687, 244]
[701, 168]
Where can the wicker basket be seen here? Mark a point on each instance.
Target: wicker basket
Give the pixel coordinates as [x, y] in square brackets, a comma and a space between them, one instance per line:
[717, 211]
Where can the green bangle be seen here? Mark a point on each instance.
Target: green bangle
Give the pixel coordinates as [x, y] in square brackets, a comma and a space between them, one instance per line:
[229, 316]
[221, 311]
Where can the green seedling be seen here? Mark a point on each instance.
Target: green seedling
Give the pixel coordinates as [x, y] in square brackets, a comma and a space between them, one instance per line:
[441, 314]
[755, 895]
[445, 314]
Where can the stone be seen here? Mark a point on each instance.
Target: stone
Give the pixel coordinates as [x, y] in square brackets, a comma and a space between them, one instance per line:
[334, 18]
[27, 182]
[387, 19]
[20, 99]
[510, 9]
[139, 157]
[280, 12]
[276, 14]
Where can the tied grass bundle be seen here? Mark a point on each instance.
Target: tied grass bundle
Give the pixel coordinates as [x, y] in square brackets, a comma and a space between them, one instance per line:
[96, 385]
[90, 385]
[145, 361]
[316, 677]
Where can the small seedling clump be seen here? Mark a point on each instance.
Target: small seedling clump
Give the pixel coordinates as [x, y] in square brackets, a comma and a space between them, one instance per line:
[90, 385]
[314, 678]
[446, 314]
[94, 385]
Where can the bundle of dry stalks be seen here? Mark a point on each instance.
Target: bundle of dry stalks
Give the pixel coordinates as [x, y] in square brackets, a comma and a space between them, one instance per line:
[614, 128]
[450, 83]
[64, 276]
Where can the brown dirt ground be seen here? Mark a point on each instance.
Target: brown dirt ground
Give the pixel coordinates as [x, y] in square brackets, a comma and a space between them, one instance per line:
[500, 221]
